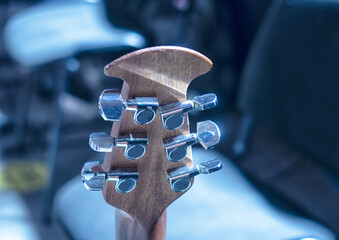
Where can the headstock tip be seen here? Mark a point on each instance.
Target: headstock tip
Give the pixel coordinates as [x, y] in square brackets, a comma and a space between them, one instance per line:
[185, 64]
[108, 69]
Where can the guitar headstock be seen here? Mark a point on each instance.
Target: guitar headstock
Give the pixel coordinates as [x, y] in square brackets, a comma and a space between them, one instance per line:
[148, 163]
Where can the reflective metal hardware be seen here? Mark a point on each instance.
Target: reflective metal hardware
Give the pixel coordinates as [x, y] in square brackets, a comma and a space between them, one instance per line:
[111, 106]
[172, 114]
[94, 177]
[135, 144]
[208, 135]
[180, 178]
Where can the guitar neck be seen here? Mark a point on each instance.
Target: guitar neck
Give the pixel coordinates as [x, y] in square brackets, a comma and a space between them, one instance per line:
[128, 228]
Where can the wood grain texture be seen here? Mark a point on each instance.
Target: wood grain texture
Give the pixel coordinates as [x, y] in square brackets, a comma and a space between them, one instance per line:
[165, 73]
[128, 228]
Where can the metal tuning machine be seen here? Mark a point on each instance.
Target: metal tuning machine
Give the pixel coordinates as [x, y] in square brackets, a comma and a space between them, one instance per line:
[135, 144]
[111, 106]
[172, 114]
[94, 177]
[180, 178]
[208, 135]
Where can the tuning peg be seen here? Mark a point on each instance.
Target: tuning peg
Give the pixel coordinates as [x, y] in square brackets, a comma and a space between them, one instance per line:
[180, 178]
[208, 135]
[135, 144]
[94, 177]
[172, 114]
[111, 106]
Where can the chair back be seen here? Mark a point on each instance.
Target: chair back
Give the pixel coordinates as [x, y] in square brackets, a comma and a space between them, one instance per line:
[291, 77]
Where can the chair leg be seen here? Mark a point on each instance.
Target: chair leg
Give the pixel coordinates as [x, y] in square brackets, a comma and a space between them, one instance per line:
[22, 109]
[54, 142]
[241, 144]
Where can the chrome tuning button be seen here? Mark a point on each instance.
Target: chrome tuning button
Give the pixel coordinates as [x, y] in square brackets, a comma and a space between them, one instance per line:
[111, 106]
[180, 178]
[135, 144]
[208, 135]
[94, 177]
[172, 114]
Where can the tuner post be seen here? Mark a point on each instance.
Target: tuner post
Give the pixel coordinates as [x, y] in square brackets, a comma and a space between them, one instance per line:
[135, 144]
[94, 177]
[172, 114]
[111, 106]
[180, 178]
[208, 135]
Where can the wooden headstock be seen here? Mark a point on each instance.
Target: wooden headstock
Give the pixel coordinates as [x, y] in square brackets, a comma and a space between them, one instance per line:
[164, 73]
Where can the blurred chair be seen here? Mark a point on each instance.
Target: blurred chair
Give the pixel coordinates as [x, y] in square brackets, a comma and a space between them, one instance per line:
[290, 98]
[221, 206]
[54, 33]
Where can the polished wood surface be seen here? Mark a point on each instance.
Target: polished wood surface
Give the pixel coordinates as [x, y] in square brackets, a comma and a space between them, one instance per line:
[165, 73]
[128, 228]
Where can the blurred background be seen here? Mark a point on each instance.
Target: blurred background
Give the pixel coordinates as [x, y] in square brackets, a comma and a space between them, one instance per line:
[275, 72]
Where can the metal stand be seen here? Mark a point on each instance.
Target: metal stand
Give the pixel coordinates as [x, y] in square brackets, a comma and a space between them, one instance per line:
[54, 141]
